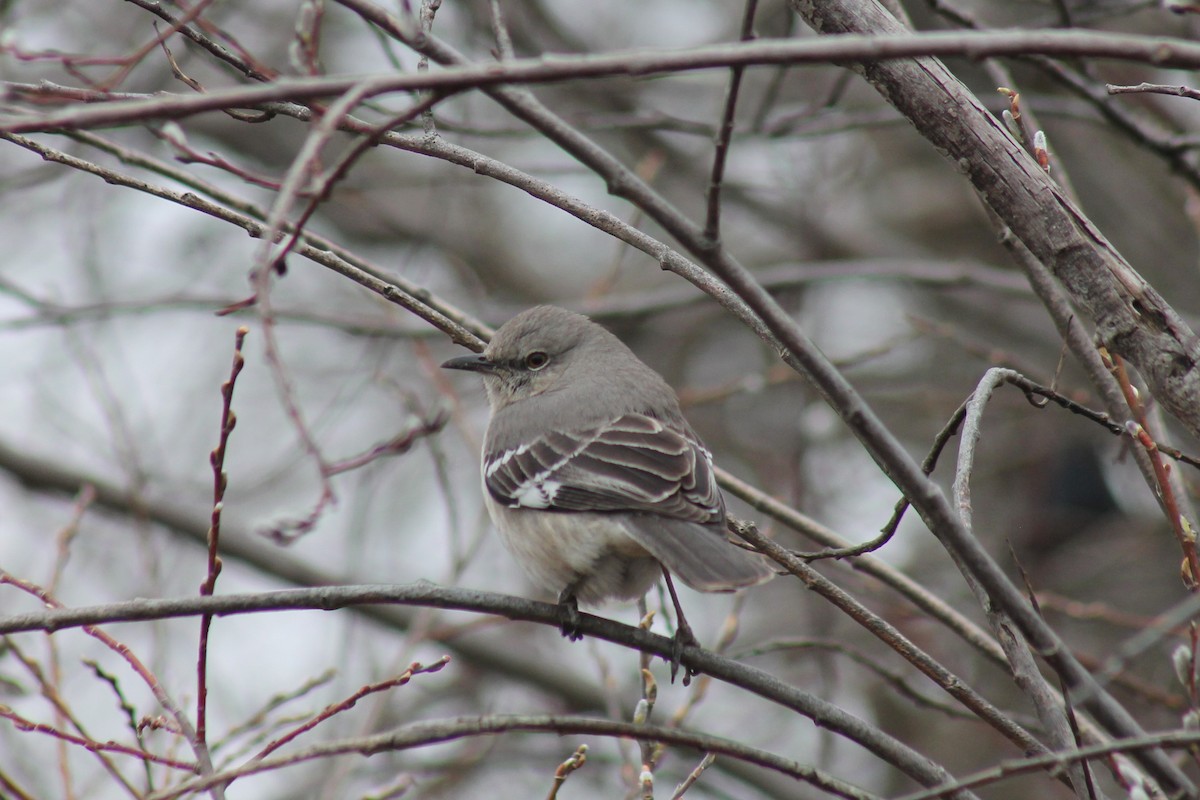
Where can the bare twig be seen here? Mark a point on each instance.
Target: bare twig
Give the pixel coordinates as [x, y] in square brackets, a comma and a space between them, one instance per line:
[1154, 88]
[220, 481]
[424, 733]
[699, 660]
[712, 225]
[850, 48]
[199, 747]
[336, 708]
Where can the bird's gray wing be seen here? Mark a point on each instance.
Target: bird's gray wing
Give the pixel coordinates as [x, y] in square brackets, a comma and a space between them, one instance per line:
[658, 472]
[635, 463]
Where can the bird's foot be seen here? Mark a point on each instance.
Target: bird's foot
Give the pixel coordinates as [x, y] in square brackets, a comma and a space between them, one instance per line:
[568, 616]
[683, 638]
[683, 634]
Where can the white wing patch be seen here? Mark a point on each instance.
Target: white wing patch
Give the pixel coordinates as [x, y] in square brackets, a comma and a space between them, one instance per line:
[536, 494]
[534, 491]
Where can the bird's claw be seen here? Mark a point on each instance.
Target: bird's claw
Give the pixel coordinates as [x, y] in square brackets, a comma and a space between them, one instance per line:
[569, 620]
[683, 638]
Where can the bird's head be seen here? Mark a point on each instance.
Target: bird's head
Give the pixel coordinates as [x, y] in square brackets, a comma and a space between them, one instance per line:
[537, 351]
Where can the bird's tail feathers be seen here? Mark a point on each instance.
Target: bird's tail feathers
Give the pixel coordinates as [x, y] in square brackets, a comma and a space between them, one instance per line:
[700, 555]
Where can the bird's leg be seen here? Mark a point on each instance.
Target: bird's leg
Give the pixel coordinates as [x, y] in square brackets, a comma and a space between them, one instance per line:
[683, 634]
[568, 612]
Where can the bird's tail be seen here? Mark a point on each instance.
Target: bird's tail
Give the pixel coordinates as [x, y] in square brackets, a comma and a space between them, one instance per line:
[700, 555]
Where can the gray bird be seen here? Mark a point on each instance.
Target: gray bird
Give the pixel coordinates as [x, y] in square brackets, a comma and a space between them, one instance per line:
[594, 479]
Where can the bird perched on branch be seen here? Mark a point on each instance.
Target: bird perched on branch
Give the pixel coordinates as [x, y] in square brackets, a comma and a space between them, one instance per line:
[592, 475]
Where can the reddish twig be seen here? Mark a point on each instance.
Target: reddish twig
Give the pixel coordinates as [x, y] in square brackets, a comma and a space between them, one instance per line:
[397, 445]
[29, 726]
[172, 134]
[63, 713]
[348, 703]
[186, 729]
[63, 540]
[1138, 428]
[220, 481]
[270, 260]
[1190, 569]
[129, 62]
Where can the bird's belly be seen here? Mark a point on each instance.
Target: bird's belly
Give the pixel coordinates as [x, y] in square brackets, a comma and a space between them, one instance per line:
[593, 552]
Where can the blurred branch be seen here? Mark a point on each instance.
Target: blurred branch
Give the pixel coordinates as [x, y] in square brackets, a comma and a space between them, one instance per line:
[425, 733]
[239, 61]
[1057, 761]
[908, 588]
[303, 173]
[64, 714]
[198, 746]
[386, 286]
[927, 273]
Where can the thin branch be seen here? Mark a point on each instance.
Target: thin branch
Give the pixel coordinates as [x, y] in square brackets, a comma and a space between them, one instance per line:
[92, 745]
[62, 711]
[1047, 703]
[199, 747]
[336, 708]
[908, 588]
[712, 225]
[1156, 50]
[220, 481]
[824, 714]
[952, 684]
[498, 658]
[425, 733]
[1058, 761]
[1154, 88]
[457, 325]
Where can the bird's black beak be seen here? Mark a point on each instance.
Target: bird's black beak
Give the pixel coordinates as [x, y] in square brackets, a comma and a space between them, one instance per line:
[475, 363]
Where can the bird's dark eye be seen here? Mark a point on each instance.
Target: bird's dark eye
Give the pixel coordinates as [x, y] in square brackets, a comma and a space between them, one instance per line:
[536, 360]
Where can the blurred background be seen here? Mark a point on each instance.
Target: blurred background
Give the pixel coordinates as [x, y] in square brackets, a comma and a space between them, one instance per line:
[114, 356]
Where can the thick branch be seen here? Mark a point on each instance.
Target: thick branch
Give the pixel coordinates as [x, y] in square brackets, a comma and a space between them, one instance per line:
[822, 713]
[1130, 317]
